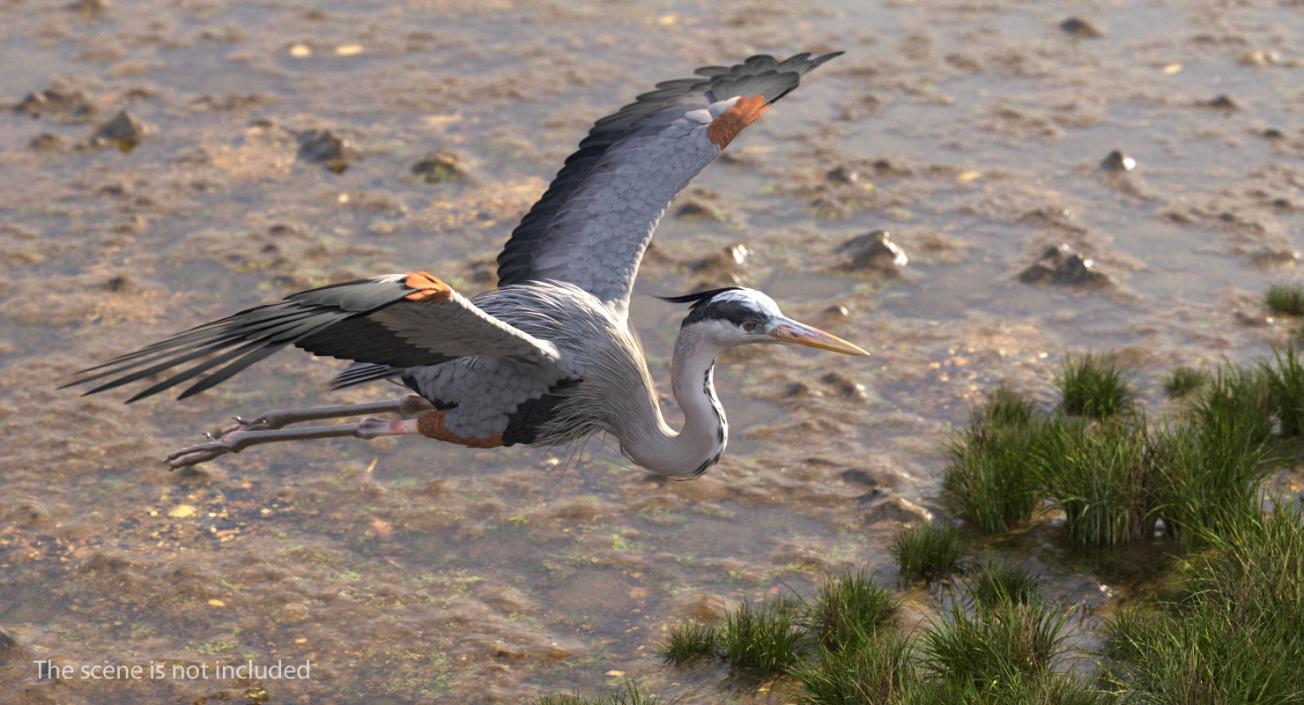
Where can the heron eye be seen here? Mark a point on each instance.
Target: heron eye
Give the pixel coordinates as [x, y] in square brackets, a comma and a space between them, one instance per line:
[750, 326]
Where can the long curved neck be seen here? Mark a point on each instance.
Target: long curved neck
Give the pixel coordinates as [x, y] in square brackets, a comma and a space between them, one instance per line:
[699, 444]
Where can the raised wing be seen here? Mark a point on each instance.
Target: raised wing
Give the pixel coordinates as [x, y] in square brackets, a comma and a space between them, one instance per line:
[596, 219]
[400, 320]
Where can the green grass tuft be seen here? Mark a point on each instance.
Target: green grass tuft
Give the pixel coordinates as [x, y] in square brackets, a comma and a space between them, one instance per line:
[763, 638]
[876, 670]
[1237, 633]
[1004, 643]
[1285, 299]
[1004, 582]
[1285, 380]
[690, 641]
[927, 551]
[848, 609]
[992, 478]
[1093, 386]
[1100, 475]
[628, 694]
[1181, 381]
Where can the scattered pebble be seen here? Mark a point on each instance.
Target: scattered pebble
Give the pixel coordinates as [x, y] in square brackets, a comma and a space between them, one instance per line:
[326, 147]
[845, 386]
[53, 101]
[896, 509]
[842, 175]
[1273, 133]
[728, 263]
[1060, 265]
[1260, 57]
[695, 209]
[874, 251]
[1222, 102]
[1079, 27]
[1118, 161]
[439, 167]
[124, 130]
[89, 7]
[46, 142]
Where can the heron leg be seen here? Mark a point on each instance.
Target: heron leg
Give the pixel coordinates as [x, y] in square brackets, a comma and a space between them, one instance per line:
[409, 405]
[238, 440]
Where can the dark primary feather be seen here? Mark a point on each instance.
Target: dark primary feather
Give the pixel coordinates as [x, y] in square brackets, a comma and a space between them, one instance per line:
[330, 321]
[758, 75]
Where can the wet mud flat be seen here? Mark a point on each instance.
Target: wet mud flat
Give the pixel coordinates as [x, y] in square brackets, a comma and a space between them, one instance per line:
[165, 164]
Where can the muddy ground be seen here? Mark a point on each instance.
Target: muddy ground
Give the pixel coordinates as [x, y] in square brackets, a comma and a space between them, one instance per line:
[972, 130]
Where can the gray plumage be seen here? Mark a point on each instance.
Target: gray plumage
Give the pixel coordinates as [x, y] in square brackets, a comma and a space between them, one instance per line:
[547, 357]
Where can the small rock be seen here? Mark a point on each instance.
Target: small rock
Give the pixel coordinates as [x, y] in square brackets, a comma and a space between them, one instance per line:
[1222, 102]
[896, 509]
[845, 386]
[123, 130]
[326, 147]
[1260, 57]
[46, 142]
[89, 7]
[698, 607]
[1062, 266]
[55, 102]
[698, 210]
[1079, 27]
[1273, 133]
[728, 263]
[1118, 161]
[117, 283]
[857, 476]
[1274, 257]
[7, 643]
[439, 167]
[874, 250]
[842, 175]
[801, 390]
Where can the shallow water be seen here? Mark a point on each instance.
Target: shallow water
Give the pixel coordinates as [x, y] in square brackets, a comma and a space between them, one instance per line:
[413, 572]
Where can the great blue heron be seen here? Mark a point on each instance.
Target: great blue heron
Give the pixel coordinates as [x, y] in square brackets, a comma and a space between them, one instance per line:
[548, 356]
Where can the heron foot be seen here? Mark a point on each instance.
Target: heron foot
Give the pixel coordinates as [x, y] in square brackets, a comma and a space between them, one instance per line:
[234, 441]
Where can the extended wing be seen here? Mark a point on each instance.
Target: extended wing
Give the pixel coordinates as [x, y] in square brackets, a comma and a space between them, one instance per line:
[596, 219]
[399, 320]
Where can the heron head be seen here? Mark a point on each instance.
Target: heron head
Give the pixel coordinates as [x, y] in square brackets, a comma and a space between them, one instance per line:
[737, 316]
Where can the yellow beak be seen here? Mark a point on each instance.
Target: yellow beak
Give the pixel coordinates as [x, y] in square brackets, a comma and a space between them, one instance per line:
[790, 331]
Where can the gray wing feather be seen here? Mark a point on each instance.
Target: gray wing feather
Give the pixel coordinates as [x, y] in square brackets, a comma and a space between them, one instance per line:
[593, 224]
[370, 320]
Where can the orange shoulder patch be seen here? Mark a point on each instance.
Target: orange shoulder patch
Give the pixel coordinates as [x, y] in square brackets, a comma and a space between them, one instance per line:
[745, 111]
[428, 287]
[431, 425]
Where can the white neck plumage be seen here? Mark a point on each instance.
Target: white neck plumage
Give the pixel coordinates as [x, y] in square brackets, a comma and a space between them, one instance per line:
[699, 444]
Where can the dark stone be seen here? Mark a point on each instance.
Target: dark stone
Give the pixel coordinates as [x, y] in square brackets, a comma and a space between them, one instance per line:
[326, 147]
[46, 142]
[857, 476]
[93, 8]
[1062, 266]
[842, 175]
[439, 167]
[698, 210]
[53, 101]
[123, 130]
[729, 263]
[845, 386]
[1118, 161]
[1273, 133]
[1079, 27]
[1222, 102]
[874, 250]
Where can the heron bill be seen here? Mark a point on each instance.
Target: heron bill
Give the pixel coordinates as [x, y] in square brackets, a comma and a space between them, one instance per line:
[790, 331]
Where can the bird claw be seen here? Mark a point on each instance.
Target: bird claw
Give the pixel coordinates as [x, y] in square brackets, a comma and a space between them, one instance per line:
[199, 453]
